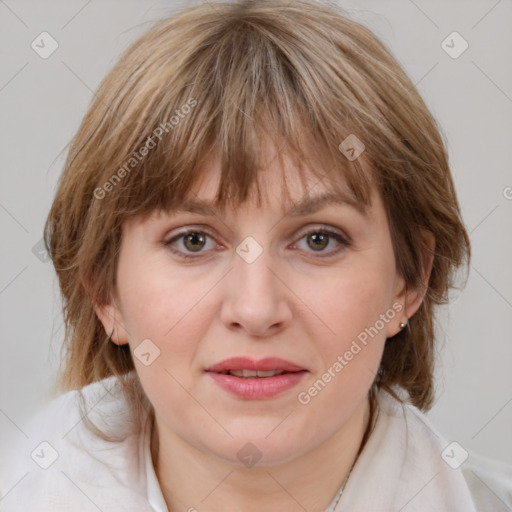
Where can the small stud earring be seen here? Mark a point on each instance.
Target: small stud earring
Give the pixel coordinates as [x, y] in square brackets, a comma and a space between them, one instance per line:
[403, 325]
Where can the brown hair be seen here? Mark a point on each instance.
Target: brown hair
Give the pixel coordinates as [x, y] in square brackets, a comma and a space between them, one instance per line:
[223, 78]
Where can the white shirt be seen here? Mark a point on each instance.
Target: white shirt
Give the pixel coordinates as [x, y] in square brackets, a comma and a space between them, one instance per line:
[401, 467]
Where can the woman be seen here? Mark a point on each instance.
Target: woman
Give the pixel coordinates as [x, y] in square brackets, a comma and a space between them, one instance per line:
[254, 225]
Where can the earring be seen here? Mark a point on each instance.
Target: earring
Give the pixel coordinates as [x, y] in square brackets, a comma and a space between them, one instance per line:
[110, 337]
[403, 325]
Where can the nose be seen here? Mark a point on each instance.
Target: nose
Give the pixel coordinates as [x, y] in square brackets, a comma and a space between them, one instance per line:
[256, 298]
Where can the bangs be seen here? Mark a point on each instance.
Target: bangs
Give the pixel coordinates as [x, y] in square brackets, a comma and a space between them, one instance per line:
[245, 99]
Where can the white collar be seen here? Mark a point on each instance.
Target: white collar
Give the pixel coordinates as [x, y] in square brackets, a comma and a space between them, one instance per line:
[155, 497]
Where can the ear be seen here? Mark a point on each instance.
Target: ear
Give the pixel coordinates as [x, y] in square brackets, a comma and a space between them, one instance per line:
[112, 319]
[411, 299]
[108, 312]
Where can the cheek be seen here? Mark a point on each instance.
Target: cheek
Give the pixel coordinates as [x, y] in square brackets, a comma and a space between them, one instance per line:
[350, 301]
[350, 305]
[350, 349]
[174, 312]
[158, 301]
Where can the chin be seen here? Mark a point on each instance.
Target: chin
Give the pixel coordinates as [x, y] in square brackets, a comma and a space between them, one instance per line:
[253, 446]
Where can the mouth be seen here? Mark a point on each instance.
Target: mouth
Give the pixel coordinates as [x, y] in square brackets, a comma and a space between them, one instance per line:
[248, 374]
[249, 379]
[261, 366]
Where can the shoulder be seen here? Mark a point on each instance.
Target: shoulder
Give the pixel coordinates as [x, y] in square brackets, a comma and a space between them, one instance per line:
[488, 481]
[61, 465]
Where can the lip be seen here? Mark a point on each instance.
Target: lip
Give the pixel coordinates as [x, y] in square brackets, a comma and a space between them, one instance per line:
[256, 388]
[246, 363]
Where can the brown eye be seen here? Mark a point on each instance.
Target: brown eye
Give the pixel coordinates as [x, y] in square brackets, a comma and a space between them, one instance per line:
[194, 241]
[187, 243]
[318, 241]
[324, 242]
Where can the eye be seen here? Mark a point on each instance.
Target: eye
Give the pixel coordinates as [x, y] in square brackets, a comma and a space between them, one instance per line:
[192, 243]
[318, 239]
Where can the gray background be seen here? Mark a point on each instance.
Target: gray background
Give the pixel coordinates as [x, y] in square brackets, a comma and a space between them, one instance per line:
[43, 100]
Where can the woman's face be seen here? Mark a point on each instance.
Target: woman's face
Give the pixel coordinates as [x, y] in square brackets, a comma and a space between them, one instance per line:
[257, 286]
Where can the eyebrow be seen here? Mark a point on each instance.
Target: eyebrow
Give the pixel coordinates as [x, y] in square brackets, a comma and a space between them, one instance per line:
[306, 206]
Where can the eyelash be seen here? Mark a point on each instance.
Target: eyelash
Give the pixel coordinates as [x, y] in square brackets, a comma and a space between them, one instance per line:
[344, 242]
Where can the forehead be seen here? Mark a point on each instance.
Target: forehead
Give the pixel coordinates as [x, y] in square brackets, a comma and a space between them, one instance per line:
[285, 190]
[295, 192]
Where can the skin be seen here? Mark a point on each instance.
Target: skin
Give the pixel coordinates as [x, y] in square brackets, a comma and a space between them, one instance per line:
[291, 303]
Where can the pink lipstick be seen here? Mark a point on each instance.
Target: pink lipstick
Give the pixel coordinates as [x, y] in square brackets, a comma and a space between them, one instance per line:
[256, 380]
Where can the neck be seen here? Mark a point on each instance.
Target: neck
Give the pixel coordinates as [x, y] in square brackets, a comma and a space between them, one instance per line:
[191, 479]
